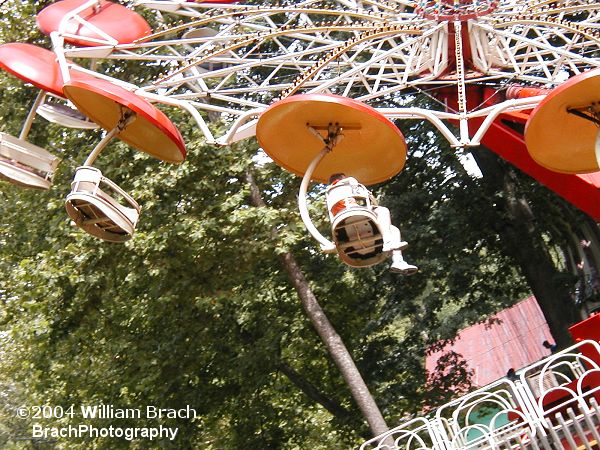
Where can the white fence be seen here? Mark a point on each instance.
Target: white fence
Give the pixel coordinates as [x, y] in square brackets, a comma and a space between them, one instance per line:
[553, 405]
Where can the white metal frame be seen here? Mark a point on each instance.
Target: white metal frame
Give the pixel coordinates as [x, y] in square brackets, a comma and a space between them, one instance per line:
[100, 207]
[573, 424]
[376, 51]
[25, 164]
[561, 372]
[416, 434]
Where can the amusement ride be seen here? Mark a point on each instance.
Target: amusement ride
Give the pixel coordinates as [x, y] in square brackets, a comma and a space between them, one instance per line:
[320, 84]
[315, 81]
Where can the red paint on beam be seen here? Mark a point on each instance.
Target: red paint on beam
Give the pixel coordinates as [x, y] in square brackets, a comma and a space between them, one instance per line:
[582, 190]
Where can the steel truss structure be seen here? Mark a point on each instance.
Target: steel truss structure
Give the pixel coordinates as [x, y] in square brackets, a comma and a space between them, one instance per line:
[235, 59]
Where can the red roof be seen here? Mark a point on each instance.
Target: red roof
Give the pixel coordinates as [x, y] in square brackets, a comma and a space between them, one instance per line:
[513, 339]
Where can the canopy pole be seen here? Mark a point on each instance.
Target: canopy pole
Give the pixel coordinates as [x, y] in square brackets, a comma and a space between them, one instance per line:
[333, 137]
[127, 117]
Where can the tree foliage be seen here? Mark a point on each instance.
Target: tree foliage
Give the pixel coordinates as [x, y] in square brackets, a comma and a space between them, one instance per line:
[197, 309]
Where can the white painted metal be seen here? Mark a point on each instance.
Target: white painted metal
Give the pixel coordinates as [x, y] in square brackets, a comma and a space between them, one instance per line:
[26, 164]
[380, 52]
[416, 434]
[100, 207]
[516, 417]
[326, 245]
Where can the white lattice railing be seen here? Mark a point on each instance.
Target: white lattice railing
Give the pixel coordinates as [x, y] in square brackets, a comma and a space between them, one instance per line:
[553, 404]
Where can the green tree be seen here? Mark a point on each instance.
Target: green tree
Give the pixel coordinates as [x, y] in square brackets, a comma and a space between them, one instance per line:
[199, 309]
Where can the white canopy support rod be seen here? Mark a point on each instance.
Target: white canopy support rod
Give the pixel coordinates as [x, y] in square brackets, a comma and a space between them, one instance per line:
[100, 146]
[240, 124]
[493, 114]
[326, 245]
[431, 116]
[127, 116]
[58, 44]
[29, 120]
[74, 15]
[210, 139]
[186, 106]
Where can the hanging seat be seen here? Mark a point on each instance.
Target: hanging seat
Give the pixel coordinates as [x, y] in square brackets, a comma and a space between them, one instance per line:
[358, 238]
[59, 111]
[25, 164]
[113, 216]
[346, 193]
[100, 207]
[355, 227]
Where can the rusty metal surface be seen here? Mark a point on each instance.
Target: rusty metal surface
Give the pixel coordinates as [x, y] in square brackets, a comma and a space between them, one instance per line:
[513, 338]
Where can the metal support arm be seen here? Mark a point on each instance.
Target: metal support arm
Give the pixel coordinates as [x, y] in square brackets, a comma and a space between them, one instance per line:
[326, 245]
[127, 116]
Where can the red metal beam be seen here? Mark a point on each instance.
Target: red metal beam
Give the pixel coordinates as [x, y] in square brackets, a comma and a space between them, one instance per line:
[582, 190]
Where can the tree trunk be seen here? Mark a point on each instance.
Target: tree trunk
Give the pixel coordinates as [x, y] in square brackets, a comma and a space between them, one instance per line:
[313, 392]
[334, 344]
[332, 340]
[523, 241]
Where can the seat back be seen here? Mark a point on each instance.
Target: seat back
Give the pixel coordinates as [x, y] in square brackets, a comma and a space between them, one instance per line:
[86, 179]
[349, 191]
